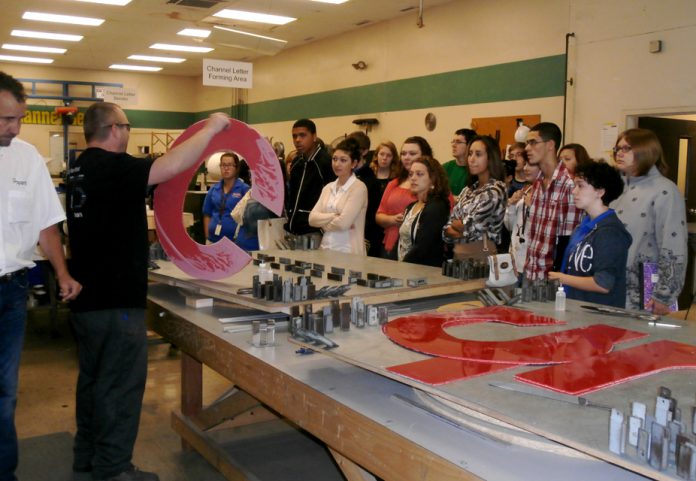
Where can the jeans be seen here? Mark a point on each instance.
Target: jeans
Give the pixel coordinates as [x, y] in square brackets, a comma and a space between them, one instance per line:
[13, 315]
[112, 352]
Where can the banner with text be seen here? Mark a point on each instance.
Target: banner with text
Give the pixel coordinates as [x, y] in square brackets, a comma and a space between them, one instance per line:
[223, 73]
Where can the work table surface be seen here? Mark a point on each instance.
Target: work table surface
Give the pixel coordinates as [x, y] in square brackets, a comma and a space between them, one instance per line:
[381, 399]
[363, 355]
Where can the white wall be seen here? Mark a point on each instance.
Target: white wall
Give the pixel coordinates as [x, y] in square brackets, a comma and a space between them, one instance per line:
[616, 75]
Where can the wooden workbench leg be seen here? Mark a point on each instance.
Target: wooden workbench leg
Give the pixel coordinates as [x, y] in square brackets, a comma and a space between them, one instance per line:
[191, 389]
[350, 470]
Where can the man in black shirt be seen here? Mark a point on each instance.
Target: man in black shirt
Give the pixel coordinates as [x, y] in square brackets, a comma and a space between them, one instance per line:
[108, 240]
[309, 173]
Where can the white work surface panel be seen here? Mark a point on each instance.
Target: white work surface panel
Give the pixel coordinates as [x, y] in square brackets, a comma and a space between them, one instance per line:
[386, 401]
[226, 289]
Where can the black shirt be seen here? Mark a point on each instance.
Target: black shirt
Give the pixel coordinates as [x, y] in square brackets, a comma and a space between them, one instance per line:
[107, 229]
[308, 176]
[373, 232]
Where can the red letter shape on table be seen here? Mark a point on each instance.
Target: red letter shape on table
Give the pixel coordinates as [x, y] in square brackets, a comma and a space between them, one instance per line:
[462, 358]
[224, 258]
[583, 376]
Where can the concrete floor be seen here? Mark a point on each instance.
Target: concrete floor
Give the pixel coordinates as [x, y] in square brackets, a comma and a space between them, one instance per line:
[46, 423]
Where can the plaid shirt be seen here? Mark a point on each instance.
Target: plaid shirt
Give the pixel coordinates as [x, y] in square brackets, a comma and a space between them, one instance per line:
[552, 214]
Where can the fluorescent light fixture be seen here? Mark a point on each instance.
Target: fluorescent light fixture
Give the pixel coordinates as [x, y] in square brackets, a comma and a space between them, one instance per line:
[253, 17]
[120, 3]
[180, 48]
[52, 17]
[14, 58]
[250, 34]
[142, 68]
[335, 2]
[46, 35]
[32, 48]
[150, 58]
[194, 32]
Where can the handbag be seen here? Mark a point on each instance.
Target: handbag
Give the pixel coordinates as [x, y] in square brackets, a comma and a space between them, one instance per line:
[503, 271]
[480, 249]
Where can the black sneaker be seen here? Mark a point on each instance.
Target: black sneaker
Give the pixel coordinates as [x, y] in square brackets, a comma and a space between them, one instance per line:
[134, 474]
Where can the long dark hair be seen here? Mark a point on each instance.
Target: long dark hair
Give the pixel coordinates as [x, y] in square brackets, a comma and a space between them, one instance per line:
[496, 168]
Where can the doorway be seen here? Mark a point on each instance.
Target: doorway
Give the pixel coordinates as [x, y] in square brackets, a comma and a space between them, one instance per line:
[677, 134]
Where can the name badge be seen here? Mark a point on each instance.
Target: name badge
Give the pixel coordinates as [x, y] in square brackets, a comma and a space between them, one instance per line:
[218, 229]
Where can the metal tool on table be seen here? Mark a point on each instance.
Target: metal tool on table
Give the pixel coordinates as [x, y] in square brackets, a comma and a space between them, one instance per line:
[522, 388]
[615, 311]
[313, 337]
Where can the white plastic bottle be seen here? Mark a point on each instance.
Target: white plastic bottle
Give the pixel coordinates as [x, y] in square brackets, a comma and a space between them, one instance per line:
[560, 299]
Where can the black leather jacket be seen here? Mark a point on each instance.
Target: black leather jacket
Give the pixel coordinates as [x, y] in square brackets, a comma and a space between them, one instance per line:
[307, 178]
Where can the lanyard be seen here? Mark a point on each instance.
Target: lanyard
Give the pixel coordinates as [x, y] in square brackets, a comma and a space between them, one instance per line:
[223, 202]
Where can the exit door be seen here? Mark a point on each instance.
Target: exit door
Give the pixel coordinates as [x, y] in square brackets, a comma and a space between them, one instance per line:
[678, 139]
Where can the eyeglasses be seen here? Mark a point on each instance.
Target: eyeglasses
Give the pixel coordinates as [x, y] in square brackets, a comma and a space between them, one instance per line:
[458, 142]
[121, 126]
[533, 142]
[624, 148]
[226, 166]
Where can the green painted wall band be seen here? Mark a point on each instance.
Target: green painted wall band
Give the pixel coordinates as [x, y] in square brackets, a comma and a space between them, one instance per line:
[527, 79]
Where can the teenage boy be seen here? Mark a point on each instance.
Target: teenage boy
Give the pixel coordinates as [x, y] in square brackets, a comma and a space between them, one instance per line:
[594, 267]
[552, 214]
[457, 169]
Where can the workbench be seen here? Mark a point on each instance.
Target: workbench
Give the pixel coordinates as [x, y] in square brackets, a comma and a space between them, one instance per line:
[377, 420]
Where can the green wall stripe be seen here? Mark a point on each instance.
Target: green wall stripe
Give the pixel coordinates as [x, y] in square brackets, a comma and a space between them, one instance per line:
[155, 119]
[527, 79]
[536, 78]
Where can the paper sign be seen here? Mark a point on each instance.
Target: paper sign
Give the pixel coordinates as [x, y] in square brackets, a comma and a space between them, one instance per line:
[223, 73]
[117, 95]
[608, 137]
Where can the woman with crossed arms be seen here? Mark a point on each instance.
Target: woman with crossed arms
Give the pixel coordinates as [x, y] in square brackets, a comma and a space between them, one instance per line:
[340, 210]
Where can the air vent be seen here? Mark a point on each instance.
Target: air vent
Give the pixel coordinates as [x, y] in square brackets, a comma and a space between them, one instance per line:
[195, 3]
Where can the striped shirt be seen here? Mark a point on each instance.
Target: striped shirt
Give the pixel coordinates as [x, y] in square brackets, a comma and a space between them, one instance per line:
[552, 214]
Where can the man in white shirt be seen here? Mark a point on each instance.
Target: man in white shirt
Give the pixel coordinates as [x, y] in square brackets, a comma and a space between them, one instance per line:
[29, 212]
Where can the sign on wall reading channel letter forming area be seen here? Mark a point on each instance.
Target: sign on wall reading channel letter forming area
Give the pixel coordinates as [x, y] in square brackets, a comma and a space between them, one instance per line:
[117, 95]
[222, 73]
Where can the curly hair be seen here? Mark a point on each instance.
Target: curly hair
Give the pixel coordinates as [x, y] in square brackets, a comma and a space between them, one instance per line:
[602, 176]
[438, 177]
